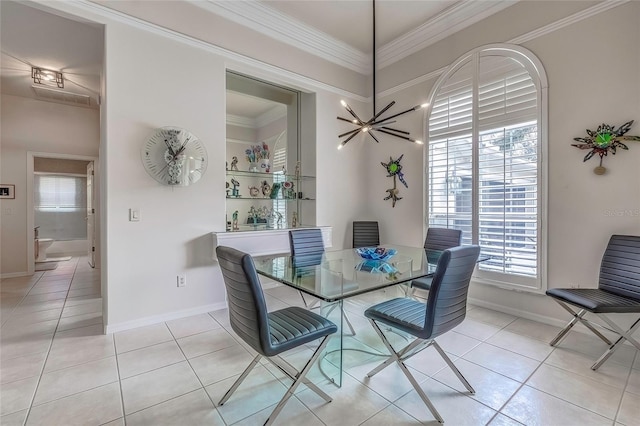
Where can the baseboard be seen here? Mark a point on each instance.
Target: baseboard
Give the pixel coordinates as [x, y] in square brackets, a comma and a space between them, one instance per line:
[15, 275]
[519, 313]
[156, 319]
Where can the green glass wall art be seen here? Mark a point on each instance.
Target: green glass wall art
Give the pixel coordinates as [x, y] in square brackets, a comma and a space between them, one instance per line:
[394, 169]
[603, 140]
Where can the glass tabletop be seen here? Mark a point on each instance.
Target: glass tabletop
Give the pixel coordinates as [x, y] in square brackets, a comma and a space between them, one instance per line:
[336, 275]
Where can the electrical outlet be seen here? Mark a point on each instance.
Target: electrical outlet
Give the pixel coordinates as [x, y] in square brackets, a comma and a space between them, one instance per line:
[182, 280]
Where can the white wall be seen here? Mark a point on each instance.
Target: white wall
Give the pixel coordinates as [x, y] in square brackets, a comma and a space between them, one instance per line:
[32, 125]
[584, 209]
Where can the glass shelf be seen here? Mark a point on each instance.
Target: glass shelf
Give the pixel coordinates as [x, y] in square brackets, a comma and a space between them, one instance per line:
[241, 173]
[270, 199]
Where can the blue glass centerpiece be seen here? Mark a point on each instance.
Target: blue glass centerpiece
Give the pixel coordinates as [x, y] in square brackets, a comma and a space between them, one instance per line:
[375, 253]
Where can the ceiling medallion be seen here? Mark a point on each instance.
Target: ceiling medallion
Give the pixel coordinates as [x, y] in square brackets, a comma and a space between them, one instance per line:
[376, 123]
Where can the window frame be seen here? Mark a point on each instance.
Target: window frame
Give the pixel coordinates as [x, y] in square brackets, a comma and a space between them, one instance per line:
[535, 68]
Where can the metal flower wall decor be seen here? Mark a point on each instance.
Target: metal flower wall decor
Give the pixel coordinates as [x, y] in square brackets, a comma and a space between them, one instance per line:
[394, 168]
[603, 140]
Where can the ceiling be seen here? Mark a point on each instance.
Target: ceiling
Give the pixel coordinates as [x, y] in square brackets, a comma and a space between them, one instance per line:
[76, 48]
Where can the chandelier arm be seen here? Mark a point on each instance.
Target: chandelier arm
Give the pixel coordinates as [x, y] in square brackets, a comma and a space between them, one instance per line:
[396, 135]
[350, 137]
[350, 111]
[396, 115]
[394, 130]
[345, 119]
[392, 103]
[349, 132]
[373, 136]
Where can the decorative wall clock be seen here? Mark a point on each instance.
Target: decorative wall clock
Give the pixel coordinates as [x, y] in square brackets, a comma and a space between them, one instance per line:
[174, 156]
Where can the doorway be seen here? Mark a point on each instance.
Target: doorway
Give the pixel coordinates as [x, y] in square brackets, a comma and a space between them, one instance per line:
[61, 212]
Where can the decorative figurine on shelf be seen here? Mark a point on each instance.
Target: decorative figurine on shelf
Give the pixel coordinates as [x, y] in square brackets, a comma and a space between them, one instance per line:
[279, 220]
[253, 215]
[235, 220]
[235, 192]
[227, 183]
[253, 191]
[604, 139]
[258, 154]
[294, 220]
[274, 190]
[226, 165]
[271, 218]
[288, 190]
[394, 168]
[266, 189]
[263, 212]
[234, 163]
[297, 171]
[284, 171]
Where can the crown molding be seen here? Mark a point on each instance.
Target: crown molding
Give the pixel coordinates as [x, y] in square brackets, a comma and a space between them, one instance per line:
[453, 19]
[240, 121]
[531, 35]
[262, 120]
[276, 25]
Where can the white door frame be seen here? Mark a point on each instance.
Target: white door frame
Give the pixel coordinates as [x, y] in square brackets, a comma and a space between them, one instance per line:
[30, 213]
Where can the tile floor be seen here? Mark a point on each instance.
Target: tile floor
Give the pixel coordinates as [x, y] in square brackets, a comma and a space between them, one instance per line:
[58, 369]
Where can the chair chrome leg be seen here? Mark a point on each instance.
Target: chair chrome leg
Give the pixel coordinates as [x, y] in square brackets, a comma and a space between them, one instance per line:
[291, 371]
[300, 377]
[453, 367]
[623, 336]
[237, 383]
[577, 317]
[420, 392]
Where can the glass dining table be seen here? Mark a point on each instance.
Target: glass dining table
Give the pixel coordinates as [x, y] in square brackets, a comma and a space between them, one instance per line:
[335, 276]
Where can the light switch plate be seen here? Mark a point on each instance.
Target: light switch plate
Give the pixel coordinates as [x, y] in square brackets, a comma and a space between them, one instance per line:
[134, 215]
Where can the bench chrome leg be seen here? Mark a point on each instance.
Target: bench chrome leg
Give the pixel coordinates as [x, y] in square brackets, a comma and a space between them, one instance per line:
[624, 335]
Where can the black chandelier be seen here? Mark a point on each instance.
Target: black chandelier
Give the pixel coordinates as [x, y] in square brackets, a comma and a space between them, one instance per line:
[376, 123]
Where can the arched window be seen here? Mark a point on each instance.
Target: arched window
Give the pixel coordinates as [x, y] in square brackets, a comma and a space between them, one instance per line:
[486, 165]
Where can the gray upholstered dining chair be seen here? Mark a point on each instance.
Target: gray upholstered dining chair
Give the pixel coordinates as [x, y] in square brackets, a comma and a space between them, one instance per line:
[437, 239]
[307, 246]
[269, 333]
[446, 308]
[618, 292]
[365, 234]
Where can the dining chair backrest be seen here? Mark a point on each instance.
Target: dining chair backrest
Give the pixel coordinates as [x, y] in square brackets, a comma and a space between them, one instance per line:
[442, 238]
[447, 301]
[247, 308]
[365, 234]
[305, 242]
[620, 267]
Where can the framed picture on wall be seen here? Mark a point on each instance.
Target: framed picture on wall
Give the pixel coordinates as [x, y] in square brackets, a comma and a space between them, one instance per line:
[7, 191]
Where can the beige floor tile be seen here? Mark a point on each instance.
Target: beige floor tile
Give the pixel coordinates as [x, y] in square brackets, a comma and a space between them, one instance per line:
[591, 345]
[532, 407]
[455, 408]
[633, 385]
[16, 396]
[259, 390]
[93, 407]
[192, 325]
[502, 420]
[147, 389]
[522, 345]
[476, 329]
[489, 316]
[69, 381]
[390, 383]
[221, 364]
[24, 308]
[15, 419]
[352, 404]
[150, 358]
[44, 297]
[429, 361]
[78, 346]
[88, 291]
[86, 308]
[492, 389]
[502, 361]
[81, 300]
[222, 317]
[15, 346]
[21, 367]
[533, 329]
[117, 422]
[28, 330]
[194, 408]
[141, 337]
[204, 343]
[294, 413]
[629, 413]
[456, 343]
[391, 415]
[609, 373]
[287, 295]
[48, 288]
[577, 389]
[33, 317]
[79, 321]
